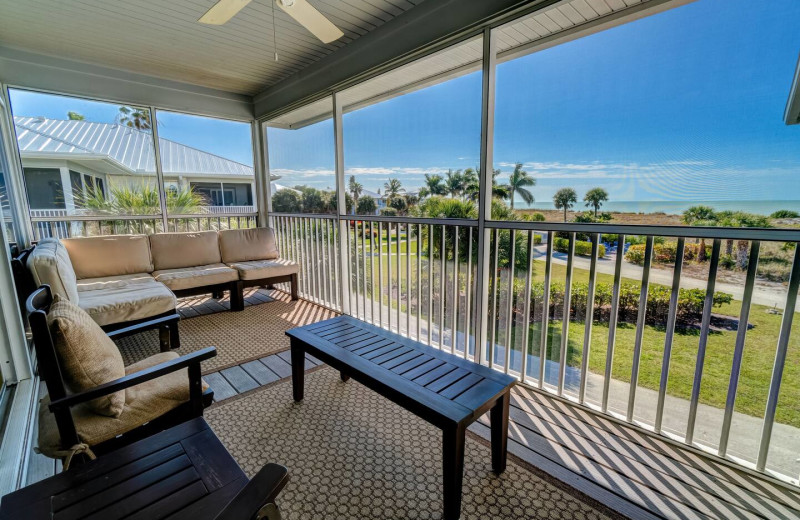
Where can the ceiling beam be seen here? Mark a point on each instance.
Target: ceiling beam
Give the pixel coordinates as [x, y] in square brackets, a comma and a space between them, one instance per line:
[431, 22]
[25, 69]
[792, 113]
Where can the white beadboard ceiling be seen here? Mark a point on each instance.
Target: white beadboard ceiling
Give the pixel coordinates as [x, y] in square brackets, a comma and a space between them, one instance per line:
[536, 31]
[163, 39]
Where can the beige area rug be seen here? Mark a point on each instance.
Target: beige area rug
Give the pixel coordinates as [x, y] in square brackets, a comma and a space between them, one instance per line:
[353, 454]
[253, 333]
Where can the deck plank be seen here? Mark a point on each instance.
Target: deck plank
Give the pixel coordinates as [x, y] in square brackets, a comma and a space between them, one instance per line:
[239, 379]
[221, 387]
[260, 372]
[278, 365]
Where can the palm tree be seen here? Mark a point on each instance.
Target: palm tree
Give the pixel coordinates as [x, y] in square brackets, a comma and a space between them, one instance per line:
[393, 189]
[455, 183]
[472, 184]
[595, 198]
[356, 189]
[518, 182]
[433, 185]
[138, 118]
[564, 199]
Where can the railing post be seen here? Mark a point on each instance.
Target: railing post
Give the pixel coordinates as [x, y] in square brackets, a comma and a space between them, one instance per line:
[341, 206]
[485, 193]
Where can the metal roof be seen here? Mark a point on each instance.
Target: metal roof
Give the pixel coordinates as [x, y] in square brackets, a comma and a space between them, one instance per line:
[544, 28]
[164, 39]
[128, 148]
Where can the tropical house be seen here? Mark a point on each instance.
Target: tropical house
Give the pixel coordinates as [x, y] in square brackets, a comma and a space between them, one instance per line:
[84, 156]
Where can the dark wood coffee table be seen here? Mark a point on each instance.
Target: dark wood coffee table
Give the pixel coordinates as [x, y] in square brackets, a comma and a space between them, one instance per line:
[181, 473]
[447, 391]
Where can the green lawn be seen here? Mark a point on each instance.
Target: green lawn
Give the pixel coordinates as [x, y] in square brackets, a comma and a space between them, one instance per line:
[757, 364]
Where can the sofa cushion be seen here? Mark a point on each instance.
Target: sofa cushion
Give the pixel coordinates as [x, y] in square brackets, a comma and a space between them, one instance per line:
[111, 255]
[176, 250]
[116, 299]
[243, 245]
[199, 276]
[49, 264]
[260, 269]
[88, 357]
[143, 403]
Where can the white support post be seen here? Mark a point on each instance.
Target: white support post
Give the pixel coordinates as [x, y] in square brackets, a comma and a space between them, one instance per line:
[341, 206]
[162, 195]
[485, 192]
[261, 169]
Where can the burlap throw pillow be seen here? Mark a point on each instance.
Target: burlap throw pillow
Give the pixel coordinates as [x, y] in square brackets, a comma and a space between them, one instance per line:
[87, 355]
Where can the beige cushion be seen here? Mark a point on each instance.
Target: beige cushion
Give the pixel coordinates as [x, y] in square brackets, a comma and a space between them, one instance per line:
[143, 403]
[190, 277]
[260, 269]
[88, 357]
[242, 245]
[116, 299]
[175, 250]
[93, 257]
[49, 264]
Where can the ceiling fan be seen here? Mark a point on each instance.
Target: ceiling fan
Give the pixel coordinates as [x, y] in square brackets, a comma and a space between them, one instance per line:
[304, 13]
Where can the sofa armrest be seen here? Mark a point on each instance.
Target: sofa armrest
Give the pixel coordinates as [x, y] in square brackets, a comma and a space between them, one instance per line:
[192, 361]
[143, 326]
[261, 490]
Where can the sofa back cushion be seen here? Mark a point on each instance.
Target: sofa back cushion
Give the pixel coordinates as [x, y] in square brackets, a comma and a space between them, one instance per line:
[175, 250]
[49, 264]
[88, 357]
[243, 245]
[96, 257]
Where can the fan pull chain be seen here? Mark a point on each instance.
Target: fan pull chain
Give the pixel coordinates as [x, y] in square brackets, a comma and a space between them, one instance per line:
[274, 32]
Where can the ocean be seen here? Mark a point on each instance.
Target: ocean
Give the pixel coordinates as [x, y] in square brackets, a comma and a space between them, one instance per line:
[670, 207]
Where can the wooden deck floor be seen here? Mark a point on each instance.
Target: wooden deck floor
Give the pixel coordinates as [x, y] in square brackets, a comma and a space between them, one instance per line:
[637, 474]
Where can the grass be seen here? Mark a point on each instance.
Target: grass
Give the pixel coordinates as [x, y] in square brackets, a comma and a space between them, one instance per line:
[759, 352]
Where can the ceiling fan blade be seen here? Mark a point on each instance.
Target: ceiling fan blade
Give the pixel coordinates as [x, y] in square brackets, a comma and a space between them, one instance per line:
[307, 15]
[223, 11]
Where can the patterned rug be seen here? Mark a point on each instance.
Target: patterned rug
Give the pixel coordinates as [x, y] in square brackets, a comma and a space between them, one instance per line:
[253, 333]
[352, 454]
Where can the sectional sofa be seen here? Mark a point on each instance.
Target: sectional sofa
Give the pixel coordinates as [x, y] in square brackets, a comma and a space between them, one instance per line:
[124, 279]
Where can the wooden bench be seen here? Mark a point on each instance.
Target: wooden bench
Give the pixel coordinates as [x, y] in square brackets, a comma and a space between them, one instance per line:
[447, 391]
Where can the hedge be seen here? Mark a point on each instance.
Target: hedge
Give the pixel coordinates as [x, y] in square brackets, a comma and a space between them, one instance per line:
[581, 248]
[690, 302]
[664, 253]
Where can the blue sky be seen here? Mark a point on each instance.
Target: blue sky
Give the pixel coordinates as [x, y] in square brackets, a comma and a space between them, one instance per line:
[685, 105]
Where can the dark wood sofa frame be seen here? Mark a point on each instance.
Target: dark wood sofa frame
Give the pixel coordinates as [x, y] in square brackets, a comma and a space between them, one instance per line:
[37, 306]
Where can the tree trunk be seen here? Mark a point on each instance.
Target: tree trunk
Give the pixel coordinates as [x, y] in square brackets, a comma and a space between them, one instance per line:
[729, 247]
[565, 213]
[701, 255]
[741, 254]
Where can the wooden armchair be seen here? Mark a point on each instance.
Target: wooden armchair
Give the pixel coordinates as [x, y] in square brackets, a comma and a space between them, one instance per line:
[162, 397]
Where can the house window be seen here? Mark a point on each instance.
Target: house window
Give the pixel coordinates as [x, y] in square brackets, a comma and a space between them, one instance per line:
[45, 190]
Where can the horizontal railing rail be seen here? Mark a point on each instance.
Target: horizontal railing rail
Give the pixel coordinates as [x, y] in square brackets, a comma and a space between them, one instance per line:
[68, 226]
[671, 335]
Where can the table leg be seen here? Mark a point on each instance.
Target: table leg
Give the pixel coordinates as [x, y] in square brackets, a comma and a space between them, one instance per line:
[499, 423]
[453, 470]
[298, 370]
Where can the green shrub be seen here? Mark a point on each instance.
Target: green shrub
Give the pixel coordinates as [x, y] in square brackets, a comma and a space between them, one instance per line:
[582, 248]
[689, 311]
[785, 213]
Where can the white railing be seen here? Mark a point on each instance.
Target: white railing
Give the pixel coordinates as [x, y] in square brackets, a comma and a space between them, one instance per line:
[228, 209]
[46, 225]
[660, 346]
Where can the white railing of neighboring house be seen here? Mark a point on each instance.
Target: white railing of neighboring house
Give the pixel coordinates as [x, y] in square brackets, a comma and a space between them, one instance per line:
[228, 209]
[389, 271]
[59, 223]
